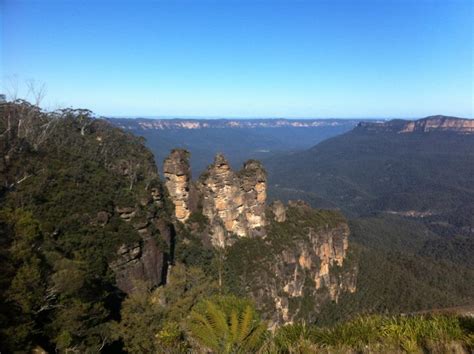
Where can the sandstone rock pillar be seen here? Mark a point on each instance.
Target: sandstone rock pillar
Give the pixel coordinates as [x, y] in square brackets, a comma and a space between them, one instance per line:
[177, 180]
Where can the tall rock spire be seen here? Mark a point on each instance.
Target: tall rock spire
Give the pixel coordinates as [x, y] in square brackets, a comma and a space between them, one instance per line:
[177, 180]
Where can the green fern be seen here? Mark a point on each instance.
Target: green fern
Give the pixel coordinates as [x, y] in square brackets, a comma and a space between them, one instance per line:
[226, 324]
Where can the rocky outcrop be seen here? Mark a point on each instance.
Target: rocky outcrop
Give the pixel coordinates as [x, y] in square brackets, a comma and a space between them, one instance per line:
[279, 211]
[144, 260]
[177, 180]
[294, 259]
[234, 202]
[440, 123]
[304, 263]
[117, 195]
[306, 271]
[425, 125]
[253, 186]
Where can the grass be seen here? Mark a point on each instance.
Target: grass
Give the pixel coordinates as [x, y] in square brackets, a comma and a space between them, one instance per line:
[378, 334]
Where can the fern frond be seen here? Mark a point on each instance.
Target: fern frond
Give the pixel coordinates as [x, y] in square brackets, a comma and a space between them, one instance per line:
[234, 326]
[246, 322]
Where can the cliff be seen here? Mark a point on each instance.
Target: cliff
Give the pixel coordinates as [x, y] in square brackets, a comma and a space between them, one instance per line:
[233, 202]
[284, 257]
[437, 123]
[304, 264]
[91, 186]
[193, 124]
[177, 180]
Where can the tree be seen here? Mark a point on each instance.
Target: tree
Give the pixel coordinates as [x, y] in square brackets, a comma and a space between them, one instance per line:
[227, 324]
[153, 320]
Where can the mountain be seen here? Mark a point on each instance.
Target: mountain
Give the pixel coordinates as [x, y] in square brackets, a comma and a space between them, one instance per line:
[429, 124]
[305, 250]
[406, 187]
[93, 243]
[421, 169]
[238, 139]
[83, 218]
[100, 254]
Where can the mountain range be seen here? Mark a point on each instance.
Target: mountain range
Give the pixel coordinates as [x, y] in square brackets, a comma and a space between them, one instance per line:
[421, 169]
[101, 253]
[238, 139]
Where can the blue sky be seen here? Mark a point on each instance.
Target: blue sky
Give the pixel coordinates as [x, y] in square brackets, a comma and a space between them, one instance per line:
[378, 58]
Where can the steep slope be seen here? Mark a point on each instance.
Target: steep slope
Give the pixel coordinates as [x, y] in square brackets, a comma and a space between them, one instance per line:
[85, 222]
[407, 187]
[300, 266]
[290, 259]
[422, 168]
[83, 219]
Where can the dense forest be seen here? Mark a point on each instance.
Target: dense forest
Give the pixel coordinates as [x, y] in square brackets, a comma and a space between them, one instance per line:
[83, 212]
[376, 170]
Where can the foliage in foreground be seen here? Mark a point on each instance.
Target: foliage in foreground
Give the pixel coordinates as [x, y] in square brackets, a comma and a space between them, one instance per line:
[227, 324]
[412, 334]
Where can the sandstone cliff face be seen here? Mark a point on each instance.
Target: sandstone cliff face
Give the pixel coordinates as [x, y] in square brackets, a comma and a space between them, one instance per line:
[285, 257]
[440, 123]
[233, 202]
[177, 180]
[279, 211]
[312, 268]
[117, 197]
[304, 264]
[144, 260]
[425, 125]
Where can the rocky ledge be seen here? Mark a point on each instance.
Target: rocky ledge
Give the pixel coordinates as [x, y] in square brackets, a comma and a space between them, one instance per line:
[425, 125]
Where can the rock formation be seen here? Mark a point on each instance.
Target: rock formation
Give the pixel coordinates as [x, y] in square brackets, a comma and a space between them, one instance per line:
[279, 211]
[425, 125]
[234, 201]
[306, 270]
[143, 260]
[304, 263]
[253, 185]
[177, 180]
[298, 255]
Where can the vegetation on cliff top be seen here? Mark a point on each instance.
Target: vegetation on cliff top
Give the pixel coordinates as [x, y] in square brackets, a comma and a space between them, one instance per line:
[62, 176]
[63, 173]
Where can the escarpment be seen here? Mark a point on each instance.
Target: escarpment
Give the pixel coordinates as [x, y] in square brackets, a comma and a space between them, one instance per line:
[285, 257]
[106, 220]
[93, 189]
[437, 123]
[304, 264]
[147, 259]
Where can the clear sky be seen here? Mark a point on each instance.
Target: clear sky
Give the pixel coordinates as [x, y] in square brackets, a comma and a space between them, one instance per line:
[377, 58]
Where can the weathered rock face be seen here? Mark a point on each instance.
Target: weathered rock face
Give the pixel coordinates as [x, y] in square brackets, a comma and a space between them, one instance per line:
[177, 180]
[234, 201]
[440, 123]
[304, 263]
[295, 259]
[306, 272]
[143, 260]
[253, 185]
[279, 211]
[425, 125]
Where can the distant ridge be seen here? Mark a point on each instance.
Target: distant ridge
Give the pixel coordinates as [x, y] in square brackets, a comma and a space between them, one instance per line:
[424, 125]
[182, 123]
